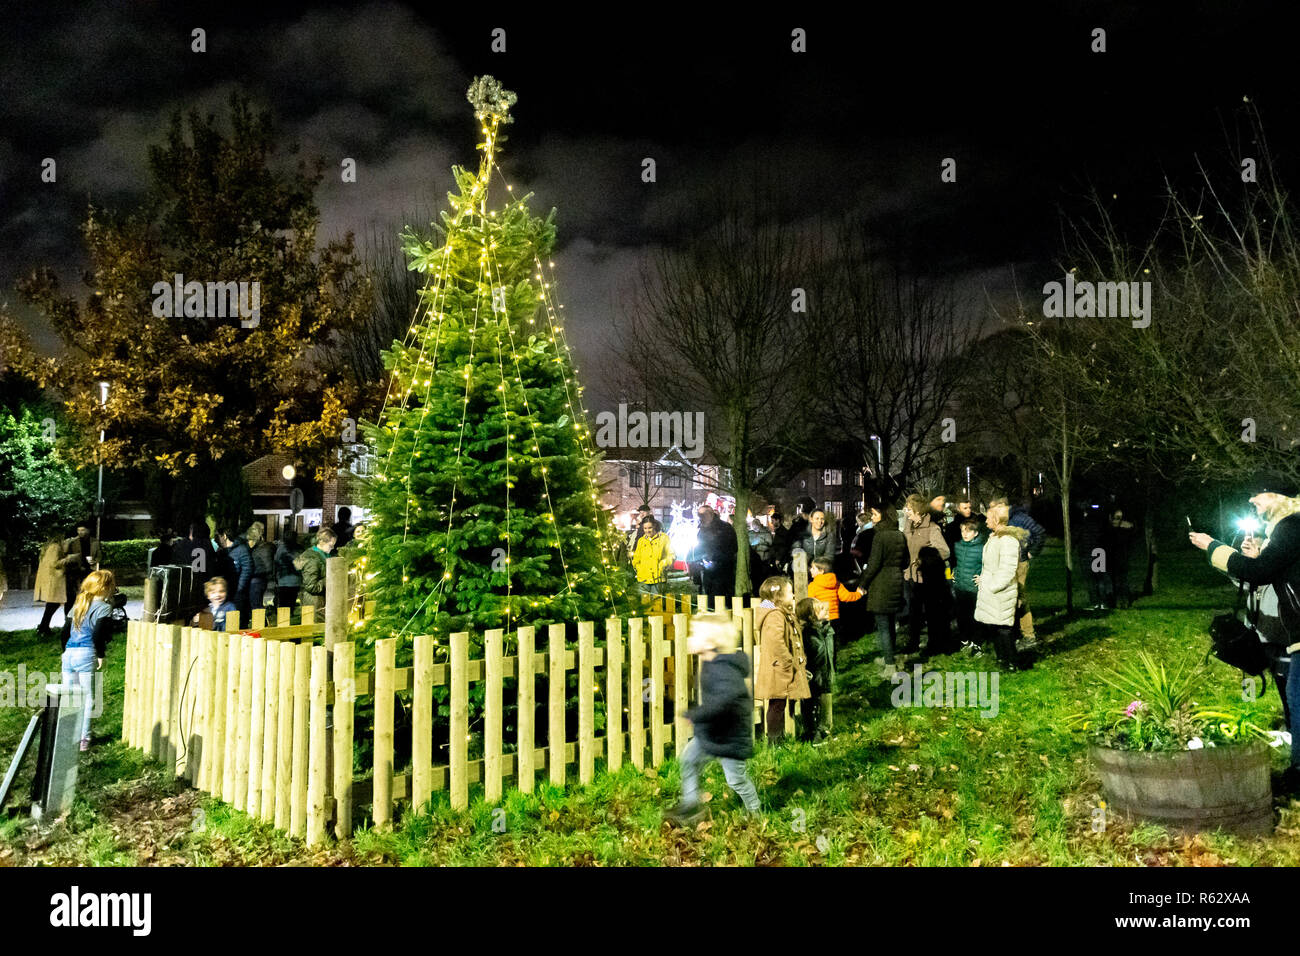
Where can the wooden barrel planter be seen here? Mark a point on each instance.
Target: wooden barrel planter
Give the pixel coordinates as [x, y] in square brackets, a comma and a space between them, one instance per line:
[1191, 790]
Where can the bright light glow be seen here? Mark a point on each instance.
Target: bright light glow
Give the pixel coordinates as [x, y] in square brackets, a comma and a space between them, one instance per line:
[1248, 524]
[288, 471]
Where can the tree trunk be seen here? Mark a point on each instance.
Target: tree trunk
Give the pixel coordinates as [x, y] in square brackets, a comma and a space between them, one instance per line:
[1069, 547]
[743, 585]
[1149, 532]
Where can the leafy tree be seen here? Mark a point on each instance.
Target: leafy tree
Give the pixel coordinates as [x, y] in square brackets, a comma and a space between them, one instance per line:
[193, 397]
[485, 512]
[40, 491]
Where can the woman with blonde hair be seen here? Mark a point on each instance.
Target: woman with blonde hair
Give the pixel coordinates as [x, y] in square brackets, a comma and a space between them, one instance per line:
[782, 674]
[92, 624]
[995, 605]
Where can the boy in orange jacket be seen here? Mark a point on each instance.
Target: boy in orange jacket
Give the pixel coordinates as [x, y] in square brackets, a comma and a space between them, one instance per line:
[825, 586]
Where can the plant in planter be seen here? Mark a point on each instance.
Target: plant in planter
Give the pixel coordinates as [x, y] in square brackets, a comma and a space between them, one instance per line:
[1164, 756]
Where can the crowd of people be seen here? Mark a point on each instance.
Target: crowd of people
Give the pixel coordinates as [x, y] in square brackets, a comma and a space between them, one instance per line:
[946, 572]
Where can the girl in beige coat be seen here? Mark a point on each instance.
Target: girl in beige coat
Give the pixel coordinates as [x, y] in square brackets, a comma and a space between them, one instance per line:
[782, 671]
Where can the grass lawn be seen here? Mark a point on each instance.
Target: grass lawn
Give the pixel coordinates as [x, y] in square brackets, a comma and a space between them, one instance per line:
[894, 786]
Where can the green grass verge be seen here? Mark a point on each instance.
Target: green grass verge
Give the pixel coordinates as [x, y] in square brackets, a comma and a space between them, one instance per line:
[894, 786]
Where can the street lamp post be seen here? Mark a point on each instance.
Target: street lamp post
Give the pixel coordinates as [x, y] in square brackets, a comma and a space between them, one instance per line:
[99, 498]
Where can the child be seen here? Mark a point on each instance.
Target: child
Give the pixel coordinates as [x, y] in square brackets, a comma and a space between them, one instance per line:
[970, 560]
[91, 627]
[819, 638]
[782, 674]
[723, 719]
[825, 586]
[213, 617]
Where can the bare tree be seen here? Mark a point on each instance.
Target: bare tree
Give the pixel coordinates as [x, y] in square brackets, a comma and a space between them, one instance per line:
[892, 345]
[717, 313]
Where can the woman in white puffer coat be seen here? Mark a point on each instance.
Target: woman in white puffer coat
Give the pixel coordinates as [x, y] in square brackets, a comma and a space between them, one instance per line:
[995, 607]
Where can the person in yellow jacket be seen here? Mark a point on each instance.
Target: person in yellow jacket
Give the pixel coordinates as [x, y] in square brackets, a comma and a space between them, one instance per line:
[653, 556]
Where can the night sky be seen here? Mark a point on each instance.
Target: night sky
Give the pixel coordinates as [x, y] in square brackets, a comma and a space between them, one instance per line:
[859, 123]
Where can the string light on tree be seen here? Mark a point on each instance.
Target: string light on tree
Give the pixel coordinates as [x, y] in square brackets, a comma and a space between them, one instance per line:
[515, 522]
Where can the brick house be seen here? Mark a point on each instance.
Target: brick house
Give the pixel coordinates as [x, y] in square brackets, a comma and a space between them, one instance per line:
[272, 492]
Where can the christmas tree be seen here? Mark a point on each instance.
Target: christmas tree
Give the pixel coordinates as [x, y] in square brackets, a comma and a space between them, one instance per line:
[485, 509]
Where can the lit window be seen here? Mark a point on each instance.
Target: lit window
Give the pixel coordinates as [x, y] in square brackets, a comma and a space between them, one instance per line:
[832, 476]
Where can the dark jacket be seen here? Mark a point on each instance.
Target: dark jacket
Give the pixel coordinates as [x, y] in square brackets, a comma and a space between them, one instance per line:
[717, 542]
[241, 568]
[286, 575]
[970, 559]
[882, 578]
[263, 560]
[827, 546]
[1278, 564]
[1118, 545]
[779, 553]
[183, 554]
[952, 532]
[724, 716]
[312, 565]
[860, 547]
[819, 642]
[1031, 548]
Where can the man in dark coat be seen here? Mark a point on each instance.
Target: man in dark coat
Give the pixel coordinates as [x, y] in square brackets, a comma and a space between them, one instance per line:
[882, 581]
[716, 547]
[1030, 548]
[239, 565]
[343, 528]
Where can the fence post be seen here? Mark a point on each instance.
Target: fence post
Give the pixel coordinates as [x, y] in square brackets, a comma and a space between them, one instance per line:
[613, 694]
[256, 727]
[166, 696]
[526, 707]
[492, 641]
[800, 562]
[284, 734]
[232, 718]
[320, 658]
[345, 693]
[636, 692]
[656, 691]
[215, 749]
[458, 744]
[336, 601]
[271, 729]
[245, 720]
[422, 724]
[385, 656]
[586, 701]
[301, 692]
[128, 682]
[555, 738]
[681, 684]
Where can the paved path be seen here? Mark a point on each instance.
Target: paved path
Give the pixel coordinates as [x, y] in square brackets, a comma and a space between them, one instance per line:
[18, 613]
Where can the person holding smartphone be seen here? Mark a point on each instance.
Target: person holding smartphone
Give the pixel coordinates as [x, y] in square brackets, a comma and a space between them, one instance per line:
[1274, 561]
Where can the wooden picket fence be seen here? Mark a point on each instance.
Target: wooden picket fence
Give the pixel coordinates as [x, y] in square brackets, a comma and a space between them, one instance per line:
[265, 723]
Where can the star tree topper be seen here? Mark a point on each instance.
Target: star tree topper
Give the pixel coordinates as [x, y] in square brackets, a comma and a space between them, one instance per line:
[490, 98]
